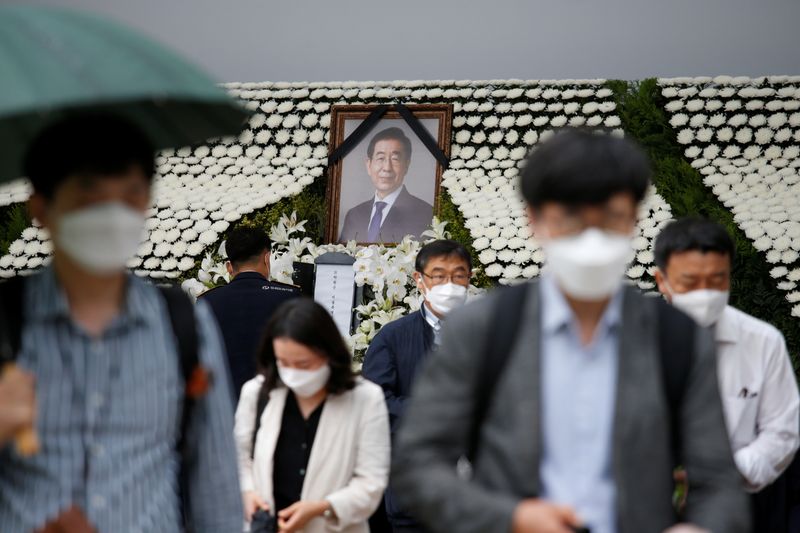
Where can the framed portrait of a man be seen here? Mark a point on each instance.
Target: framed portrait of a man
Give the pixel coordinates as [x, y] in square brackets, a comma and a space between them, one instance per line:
[387, 186]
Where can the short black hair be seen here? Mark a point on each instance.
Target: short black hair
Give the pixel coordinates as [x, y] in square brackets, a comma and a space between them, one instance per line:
[246, 243]
[578, 167]
[390, 133]
[441, 248]
[691, 234]
[87, 143]
[306, 322]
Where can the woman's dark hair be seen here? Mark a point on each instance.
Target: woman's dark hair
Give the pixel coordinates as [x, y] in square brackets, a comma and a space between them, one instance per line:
[692, 234]
[306, 322]
[579, 167]
[441, 248]
[99, 144]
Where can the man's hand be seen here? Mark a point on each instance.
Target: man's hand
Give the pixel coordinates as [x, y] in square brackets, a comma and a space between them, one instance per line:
[686, 528]
[252, 502]
[297, 515]
[17, 402]
[539, 516]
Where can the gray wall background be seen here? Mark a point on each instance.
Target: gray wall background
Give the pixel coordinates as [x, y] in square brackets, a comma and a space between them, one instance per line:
[324, 40]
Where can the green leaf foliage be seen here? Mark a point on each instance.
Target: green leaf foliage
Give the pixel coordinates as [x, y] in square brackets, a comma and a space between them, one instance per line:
[13, 220]
[641, 108]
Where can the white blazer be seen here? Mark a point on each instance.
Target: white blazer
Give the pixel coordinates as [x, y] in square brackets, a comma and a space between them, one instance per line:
[349, 461]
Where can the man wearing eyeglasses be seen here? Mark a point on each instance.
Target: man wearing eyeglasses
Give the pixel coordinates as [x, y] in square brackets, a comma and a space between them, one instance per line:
[393, 212]
[443, 270]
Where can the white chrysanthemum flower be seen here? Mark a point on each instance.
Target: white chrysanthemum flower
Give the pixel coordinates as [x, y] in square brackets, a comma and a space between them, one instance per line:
[558, 121]
[763, 136]
[494, 270]
[612, 122]
[491, 121]
[530, 138]
[725, 134]
[685, 136]
[744, 135]
[783, 135]
[678, 120]
[487, 256]
[694, 106]
[480, 243]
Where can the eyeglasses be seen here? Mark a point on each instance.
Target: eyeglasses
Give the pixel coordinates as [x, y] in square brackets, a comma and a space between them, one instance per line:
[437, 279]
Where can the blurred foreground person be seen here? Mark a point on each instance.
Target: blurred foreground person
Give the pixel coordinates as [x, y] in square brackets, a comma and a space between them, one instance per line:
[320, 460]
[119, 425]
[756, 379]
[17, 403]
[396, 354]
[243, 306]
[573, 397]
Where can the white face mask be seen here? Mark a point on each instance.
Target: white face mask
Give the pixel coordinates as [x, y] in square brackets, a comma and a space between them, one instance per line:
[446, 297]
[305, 383]
[589, 266]
[705, 306]
[100, 238]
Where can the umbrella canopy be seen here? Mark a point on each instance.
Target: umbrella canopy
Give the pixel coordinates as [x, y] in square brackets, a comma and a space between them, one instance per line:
[55, 61]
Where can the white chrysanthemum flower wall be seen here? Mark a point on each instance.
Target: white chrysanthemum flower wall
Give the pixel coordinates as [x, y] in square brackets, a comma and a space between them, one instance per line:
[200, 191]
[743, 136]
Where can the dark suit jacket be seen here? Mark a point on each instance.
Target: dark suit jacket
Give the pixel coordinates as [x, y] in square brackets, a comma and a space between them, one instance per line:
[242, 309]
[392, 361]
[409, 215]
[436, 428]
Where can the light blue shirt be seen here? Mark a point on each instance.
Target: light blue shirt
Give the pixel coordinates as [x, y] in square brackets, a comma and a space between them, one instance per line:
[578, 393]
[109, 420]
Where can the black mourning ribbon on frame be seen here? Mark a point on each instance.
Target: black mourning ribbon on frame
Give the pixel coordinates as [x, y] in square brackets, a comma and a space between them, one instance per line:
[366, 126]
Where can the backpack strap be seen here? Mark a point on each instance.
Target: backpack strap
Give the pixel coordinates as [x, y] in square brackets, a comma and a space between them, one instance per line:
[181, 315]
[504, 325]
[261, 404]
[676, 333]
[12, 309]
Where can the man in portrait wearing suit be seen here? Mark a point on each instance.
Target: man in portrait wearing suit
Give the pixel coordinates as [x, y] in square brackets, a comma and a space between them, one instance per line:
[393, 212]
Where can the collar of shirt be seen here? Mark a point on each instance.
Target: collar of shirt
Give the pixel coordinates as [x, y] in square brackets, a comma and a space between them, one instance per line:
[49, 300]
[248, 274]
[726, 330]
[432, 320]
[389, 200]
[557, 314]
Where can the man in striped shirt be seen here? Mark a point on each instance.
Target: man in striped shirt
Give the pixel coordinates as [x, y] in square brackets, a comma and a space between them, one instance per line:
[109, 386]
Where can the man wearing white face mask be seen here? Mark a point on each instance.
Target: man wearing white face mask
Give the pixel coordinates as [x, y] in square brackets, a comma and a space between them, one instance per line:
[398, 351]
[756, 379]
[100, 345]
[573, 397]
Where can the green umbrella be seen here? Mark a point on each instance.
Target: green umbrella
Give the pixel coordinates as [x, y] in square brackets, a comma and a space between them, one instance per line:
[56, 61]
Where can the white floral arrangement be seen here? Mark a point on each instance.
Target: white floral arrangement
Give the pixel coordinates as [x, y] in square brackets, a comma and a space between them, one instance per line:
[200, 191]
[385, 271]
[743, 135]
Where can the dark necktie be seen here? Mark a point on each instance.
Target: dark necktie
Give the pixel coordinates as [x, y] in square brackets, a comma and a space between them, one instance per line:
[375, 224]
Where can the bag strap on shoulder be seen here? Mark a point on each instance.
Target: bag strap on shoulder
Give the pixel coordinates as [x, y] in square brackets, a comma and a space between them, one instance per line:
[11, 318]
[499, 343]
[676, 333]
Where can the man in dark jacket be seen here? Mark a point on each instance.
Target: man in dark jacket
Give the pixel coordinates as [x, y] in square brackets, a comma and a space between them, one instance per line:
[399, 349]
[243, 306]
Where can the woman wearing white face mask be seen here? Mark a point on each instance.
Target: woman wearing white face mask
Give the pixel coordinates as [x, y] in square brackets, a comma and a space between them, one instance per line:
[320, 458]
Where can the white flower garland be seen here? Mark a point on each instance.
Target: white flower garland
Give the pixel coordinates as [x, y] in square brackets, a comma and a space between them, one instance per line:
[387, 272]
[742, 136]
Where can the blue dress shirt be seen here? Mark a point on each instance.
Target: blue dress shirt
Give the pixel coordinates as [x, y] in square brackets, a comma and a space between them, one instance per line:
[578, 395]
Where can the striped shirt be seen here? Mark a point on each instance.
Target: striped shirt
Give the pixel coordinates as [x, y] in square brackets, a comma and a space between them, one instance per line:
[109, 419]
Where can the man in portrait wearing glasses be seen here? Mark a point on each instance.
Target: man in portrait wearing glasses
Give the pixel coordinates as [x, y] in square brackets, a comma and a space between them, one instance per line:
[393, 212]
[395, 355]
